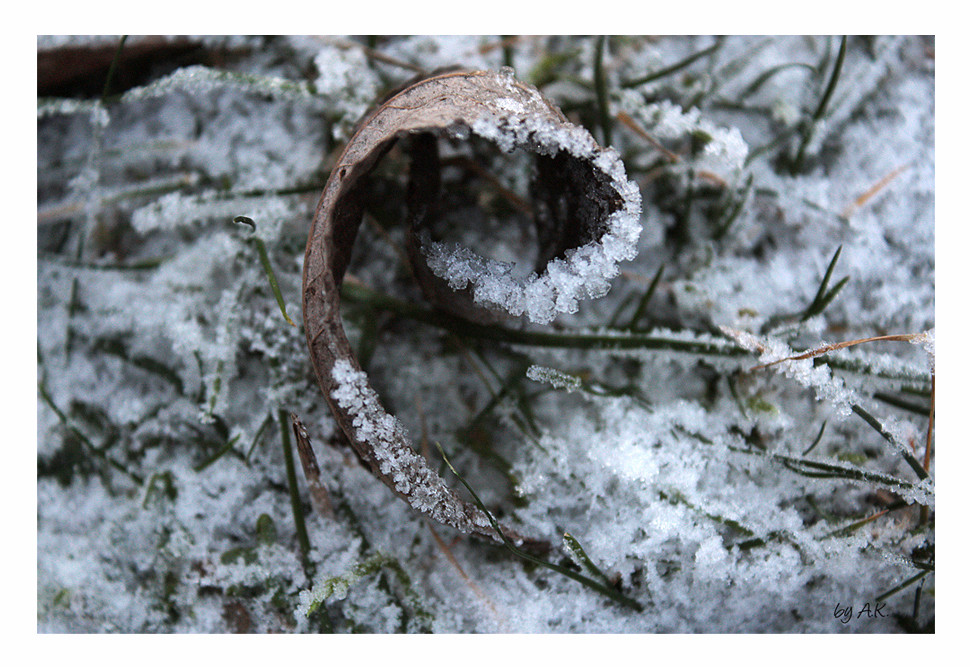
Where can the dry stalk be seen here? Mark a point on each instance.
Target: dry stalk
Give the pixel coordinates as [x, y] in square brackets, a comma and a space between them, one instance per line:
[319, 496]
[445, 549]
[908, 338]
[375, 54]
[513, 199]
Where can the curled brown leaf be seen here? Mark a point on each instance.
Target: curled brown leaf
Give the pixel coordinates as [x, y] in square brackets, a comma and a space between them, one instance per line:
[587, 219]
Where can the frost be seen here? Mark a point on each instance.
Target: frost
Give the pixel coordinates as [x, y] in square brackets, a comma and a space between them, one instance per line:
[60, 106]
[200, 79]
[585, 272]
[372, 423]
[927, 341]
[711, 558]
[385, 435]
[556, 378]
[724, 150]
[806, 372]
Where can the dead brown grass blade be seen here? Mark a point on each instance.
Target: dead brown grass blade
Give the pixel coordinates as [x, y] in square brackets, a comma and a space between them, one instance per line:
[838, 346]
[319, 496]
[864, 198]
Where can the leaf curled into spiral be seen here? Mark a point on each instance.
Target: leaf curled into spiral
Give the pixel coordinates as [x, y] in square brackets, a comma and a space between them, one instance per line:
[587, 219]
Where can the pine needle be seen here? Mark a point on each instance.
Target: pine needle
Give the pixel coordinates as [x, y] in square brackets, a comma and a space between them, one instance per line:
[862, 199]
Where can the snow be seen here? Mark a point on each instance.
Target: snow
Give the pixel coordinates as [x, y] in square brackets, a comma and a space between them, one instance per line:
[686, 477]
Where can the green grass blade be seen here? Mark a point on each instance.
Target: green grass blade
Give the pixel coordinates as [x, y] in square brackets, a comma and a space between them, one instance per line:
[92, 449]
[818, 439]
[642, 306]
[585, 581]
[902, 403]
[907, 455]
[809, 126]
[112, 69]
[602, 95]
[295, 502]
[904, 585]
[823, 297]
[222, 451]
[833, 81]
[578, 554]
[755, 85]
[827, 299]
[672, 69]
[608, 340]
[267, 267]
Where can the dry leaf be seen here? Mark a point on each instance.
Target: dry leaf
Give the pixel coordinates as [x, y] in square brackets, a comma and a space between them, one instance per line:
[581, 200]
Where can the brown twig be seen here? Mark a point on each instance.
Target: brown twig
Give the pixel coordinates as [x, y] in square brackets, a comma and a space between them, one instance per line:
[632, 125]
[397, 249]
[466, 163]
[476, 589]
[426, 451]
[376, 55]
[501, 44]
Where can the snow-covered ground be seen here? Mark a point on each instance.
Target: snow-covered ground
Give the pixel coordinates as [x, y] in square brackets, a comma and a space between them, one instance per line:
[709, 495]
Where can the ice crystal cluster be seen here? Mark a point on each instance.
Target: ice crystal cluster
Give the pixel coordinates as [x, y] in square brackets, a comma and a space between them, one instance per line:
[583, 272]
[715, 496]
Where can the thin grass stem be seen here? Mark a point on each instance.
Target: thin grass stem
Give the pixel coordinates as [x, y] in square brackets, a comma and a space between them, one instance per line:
[845, 530]
[355, 292]
[602, 95]
[112, 69]
[642, 306]
[90, 446]
[911, 460]
[818, 439]
[296, 504]
[611, 593]
[673, 68]
[904, 585]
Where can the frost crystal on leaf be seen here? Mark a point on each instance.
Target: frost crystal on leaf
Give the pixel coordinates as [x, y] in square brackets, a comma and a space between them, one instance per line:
[555, 377]
[584, 272]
